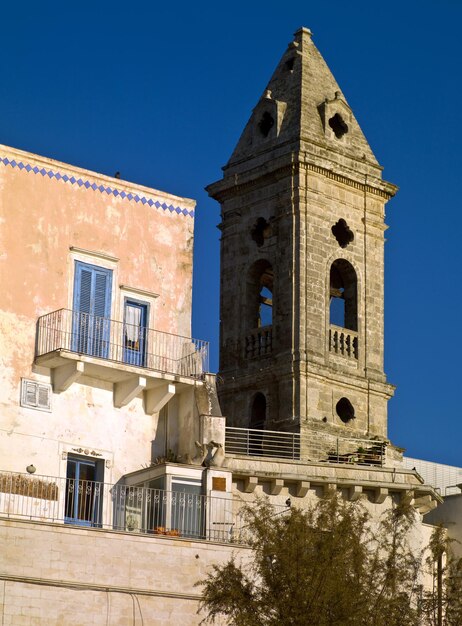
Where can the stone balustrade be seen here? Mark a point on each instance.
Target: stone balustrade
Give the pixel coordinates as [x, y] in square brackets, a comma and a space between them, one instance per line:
[343, 342]
[259, 342]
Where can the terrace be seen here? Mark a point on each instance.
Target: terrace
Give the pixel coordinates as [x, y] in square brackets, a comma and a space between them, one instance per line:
[318, 447]
[120, 507]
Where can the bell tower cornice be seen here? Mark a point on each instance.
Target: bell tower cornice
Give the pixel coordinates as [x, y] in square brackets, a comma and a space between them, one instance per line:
[254, 178]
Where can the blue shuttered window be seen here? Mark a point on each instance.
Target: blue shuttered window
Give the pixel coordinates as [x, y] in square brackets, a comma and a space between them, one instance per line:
[92, 309]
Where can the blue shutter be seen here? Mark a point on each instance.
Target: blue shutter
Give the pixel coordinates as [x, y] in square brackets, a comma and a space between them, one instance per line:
[92, 307]
[84, 293]
[101, 296]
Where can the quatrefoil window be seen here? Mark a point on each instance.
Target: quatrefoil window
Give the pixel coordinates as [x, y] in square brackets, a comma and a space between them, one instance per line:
[343, 233]
[261, 231]
[266, 124]
[338, 125]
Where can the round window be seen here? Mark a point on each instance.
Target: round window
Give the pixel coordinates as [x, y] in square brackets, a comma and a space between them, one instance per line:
[345, 410]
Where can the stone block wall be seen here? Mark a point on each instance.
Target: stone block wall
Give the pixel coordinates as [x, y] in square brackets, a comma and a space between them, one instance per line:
[54, 575]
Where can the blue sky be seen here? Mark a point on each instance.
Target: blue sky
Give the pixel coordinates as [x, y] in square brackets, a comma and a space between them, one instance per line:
[161, 94]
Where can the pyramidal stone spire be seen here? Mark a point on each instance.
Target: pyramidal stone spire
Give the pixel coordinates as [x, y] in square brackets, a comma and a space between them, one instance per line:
[303, 109]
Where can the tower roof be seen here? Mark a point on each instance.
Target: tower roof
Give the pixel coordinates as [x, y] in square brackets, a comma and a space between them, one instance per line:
[303, 110]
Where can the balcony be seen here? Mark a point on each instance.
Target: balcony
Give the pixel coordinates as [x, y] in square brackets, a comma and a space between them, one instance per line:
[150, 512]
[343, 342]
[259, 342]
[134, 358]
[318, 447]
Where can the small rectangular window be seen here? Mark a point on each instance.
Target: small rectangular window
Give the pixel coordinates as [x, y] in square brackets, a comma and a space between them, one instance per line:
[35, 395]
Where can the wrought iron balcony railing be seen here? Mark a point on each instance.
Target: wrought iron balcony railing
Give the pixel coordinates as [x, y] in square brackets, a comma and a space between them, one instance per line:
[318, 447]
[120, 507]
[109, 339]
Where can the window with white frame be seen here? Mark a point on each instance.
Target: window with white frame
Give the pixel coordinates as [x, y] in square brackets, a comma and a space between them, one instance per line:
[35, 395]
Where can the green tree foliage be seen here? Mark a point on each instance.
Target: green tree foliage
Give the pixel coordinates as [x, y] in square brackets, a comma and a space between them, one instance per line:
[328, 565]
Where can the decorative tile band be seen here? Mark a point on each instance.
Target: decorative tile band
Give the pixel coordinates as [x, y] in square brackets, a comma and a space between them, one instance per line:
[101, 188]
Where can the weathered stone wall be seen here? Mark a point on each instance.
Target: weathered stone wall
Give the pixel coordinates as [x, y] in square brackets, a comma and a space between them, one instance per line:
[54, 575]
[301, 376]
[58, 575]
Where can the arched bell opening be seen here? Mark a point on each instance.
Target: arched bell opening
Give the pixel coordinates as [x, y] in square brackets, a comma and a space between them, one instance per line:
[258, 412]
[343, 308]
[260, 295]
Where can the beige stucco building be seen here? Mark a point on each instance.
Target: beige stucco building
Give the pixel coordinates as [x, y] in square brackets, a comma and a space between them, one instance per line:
[120, 480]
[100, 382]
[78, 248]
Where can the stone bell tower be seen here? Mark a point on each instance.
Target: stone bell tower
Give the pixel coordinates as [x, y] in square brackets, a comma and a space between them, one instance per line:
[302, 261]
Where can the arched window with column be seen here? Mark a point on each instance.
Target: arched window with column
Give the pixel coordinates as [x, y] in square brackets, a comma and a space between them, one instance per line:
[260, 294]
[259, 309]
[343, 309]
